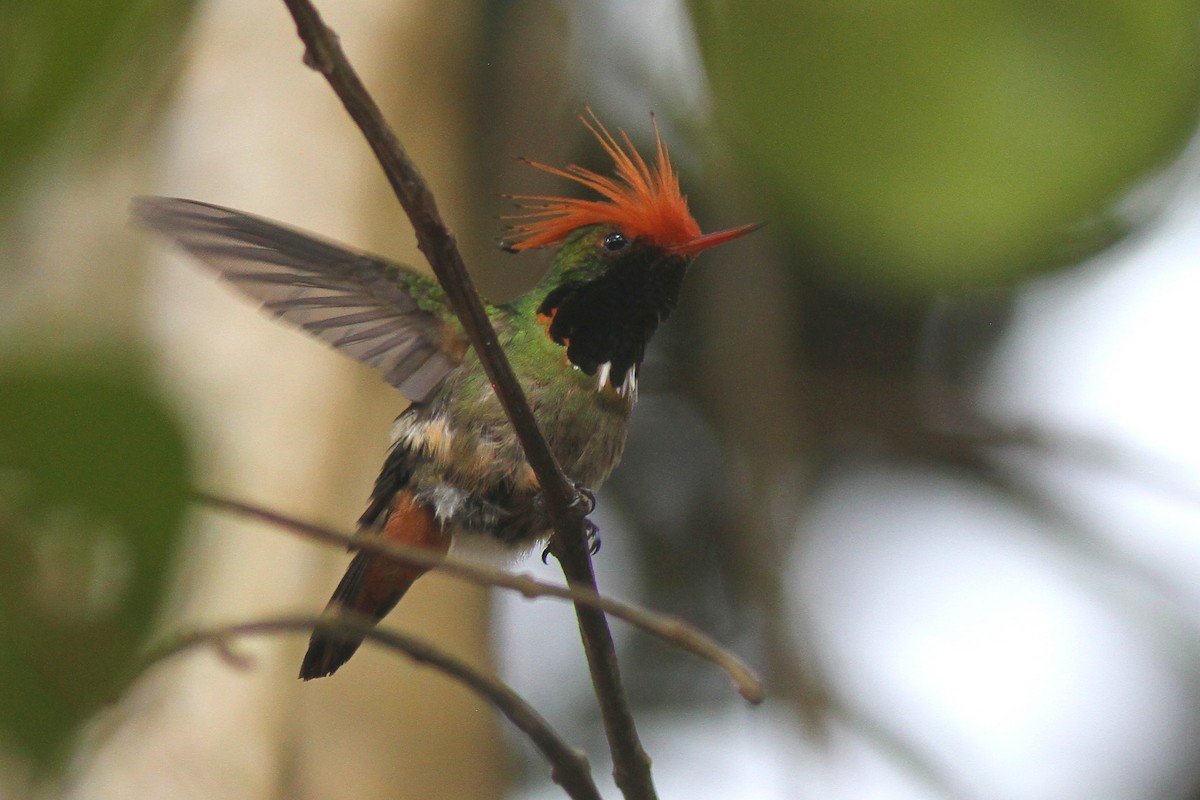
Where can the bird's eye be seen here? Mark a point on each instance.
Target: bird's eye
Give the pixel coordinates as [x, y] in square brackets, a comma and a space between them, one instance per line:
[614, 242]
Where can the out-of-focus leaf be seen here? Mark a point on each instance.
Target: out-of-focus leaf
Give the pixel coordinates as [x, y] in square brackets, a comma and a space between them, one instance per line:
[69, 68]
[93, 485]
[924, 145]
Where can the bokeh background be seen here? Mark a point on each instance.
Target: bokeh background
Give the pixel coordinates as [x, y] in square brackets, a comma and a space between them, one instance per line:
[924, 450]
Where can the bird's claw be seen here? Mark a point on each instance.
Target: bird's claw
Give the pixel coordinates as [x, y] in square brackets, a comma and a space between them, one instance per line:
[591, 533]
[584, 497]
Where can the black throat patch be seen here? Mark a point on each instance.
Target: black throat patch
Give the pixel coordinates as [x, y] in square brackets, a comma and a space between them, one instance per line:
[610, 319]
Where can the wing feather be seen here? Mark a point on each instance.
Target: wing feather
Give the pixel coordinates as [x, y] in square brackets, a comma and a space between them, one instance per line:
[361, 304]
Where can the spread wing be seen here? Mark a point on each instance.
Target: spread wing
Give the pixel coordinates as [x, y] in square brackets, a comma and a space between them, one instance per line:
[371, 309]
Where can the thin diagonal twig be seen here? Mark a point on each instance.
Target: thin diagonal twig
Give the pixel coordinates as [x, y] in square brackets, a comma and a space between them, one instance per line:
[669, 628]
[568, 767]
[631, 765]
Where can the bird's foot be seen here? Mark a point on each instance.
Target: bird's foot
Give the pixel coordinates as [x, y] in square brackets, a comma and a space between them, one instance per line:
[591, 533]
[583, 503]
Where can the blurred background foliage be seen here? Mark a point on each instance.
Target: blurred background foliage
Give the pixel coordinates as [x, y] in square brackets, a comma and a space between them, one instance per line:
[932, 146]
[925, 167]
[93, 463]
[73, 75]
[93, 486]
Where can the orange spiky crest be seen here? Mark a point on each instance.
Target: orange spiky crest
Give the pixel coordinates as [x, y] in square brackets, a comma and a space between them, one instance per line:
[641, 202]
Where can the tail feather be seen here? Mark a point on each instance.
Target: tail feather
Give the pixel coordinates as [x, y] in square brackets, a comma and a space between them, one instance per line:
[329, 650]
[373, 585]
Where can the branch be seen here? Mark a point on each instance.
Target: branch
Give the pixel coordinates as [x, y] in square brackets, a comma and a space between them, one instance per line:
[669, 628]
[631, 765]
[568, 767]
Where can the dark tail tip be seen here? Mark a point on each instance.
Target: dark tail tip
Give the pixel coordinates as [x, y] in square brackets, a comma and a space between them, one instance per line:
[327, 652]
[368, 591]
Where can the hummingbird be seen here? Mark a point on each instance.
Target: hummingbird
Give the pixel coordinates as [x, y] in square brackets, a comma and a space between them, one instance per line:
[455, 474]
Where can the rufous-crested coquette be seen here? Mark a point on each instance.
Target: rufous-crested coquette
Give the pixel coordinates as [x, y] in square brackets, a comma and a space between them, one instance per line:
[455, 471]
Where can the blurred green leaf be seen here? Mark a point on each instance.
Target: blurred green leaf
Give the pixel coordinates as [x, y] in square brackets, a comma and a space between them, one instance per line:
[69, 69]
[932, 144]
[93, 487]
